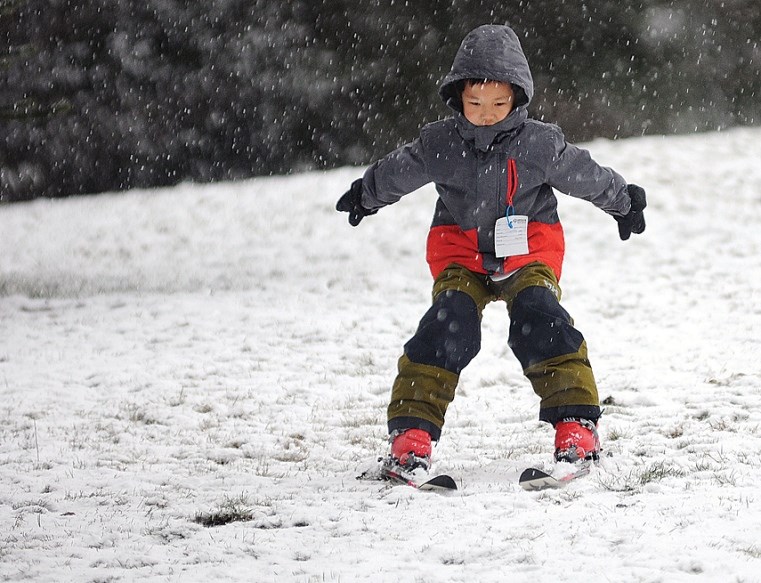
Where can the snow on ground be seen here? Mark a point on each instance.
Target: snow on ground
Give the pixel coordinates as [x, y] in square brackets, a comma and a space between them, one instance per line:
[191, 378]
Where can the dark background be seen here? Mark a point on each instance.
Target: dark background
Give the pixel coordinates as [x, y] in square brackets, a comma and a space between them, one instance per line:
[115, 94]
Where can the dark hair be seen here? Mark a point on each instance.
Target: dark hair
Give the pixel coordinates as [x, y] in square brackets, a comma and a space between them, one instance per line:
[520, 94]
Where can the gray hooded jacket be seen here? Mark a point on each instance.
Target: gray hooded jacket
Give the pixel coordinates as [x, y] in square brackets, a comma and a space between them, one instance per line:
[474, 167]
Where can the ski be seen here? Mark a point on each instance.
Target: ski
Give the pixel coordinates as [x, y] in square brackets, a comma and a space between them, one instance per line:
[442, 482]
[536, 479]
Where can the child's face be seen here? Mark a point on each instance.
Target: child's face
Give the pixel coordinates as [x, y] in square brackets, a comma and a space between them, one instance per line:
[484, 104]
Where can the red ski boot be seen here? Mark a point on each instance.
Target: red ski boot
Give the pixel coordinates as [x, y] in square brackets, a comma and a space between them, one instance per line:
[576, 439]
[411, 449]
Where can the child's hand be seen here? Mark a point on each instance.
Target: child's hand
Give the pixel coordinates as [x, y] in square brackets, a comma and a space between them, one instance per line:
[634, 220]
[351, 202]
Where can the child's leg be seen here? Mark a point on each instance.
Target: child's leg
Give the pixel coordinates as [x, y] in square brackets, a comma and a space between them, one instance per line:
[447, 339]
[552, 352]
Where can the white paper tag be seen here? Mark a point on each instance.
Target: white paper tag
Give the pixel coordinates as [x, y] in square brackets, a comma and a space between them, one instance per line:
[511, 240]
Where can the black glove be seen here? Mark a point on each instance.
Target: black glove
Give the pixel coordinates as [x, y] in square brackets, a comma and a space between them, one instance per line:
[634, 220]
[351, 202]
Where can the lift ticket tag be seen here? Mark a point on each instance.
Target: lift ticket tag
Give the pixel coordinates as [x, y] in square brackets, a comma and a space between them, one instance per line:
[511, 236]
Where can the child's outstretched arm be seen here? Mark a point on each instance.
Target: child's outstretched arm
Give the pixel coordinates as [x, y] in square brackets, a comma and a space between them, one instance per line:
[574, 172]
[385, 182]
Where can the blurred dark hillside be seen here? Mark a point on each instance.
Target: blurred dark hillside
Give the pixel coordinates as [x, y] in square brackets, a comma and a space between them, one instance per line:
[115, 94]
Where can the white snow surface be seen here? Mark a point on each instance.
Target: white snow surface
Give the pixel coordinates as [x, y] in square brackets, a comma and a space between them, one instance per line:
[225, 352]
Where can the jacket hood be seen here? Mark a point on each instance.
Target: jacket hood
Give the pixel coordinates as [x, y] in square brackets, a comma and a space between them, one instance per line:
[489, 52]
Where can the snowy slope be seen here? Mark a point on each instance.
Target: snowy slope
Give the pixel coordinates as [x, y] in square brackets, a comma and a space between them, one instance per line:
[211, 353]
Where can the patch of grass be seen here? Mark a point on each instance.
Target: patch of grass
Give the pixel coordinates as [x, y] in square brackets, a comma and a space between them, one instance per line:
[722, 425]
[657, 471]
[704, 465]
[753, 551]
[231, 509]
[292, 449]
[634, 480]
[674, 432]
[177, 400]
[203, 408]
[138, 415]
[615, 434]
[725, 478]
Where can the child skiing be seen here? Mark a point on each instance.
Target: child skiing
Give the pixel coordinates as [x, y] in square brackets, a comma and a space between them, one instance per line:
[495, 235]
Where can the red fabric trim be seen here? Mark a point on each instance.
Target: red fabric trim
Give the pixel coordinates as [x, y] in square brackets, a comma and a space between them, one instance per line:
[546, 243]
[449, 244]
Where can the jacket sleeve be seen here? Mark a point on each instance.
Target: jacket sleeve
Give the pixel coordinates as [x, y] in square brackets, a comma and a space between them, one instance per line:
[393, 176]
[574, 172]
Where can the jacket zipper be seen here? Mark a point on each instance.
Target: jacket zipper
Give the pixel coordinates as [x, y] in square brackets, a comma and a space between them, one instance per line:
[512, 185]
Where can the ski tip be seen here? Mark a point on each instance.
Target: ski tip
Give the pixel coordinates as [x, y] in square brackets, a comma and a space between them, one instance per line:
[442, 482]
[530, 474]
[535, 479]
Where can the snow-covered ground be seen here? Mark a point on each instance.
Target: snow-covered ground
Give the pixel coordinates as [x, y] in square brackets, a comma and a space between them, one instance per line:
[191, 379]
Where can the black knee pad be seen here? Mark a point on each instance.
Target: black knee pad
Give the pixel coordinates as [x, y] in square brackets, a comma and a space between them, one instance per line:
[449, 335]
[540, 329]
